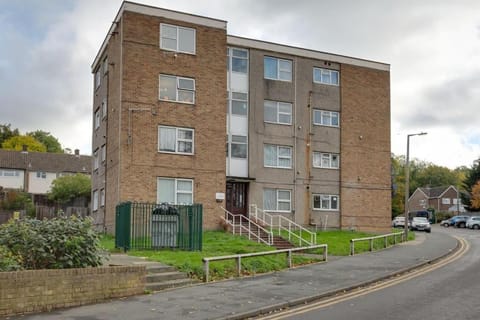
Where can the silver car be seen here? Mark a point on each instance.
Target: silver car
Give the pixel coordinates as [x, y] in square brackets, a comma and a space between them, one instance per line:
[420, 224]
[473, 222]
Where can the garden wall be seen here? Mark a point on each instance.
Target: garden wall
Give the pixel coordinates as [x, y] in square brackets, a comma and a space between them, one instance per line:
[44, 290]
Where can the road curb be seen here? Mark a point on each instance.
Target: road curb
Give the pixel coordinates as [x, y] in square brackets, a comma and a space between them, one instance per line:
[316, 297]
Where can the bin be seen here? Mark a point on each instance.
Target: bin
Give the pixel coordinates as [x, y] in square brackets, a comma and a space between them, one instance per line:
[164, 226]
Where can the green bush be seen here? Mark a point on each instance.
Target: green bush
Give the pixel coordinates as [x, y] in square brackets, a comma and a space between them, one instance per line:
[53, 244]
[8, 261]
[443, 216]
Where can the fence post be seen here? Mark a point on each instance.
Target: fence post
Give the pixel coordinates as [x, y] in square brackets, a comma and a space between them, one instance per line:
[352, 247]
[394, 239]
[325, 253]
[239, 266]
[205, 271]
[289, 258]
[371, 244]
[386, 241]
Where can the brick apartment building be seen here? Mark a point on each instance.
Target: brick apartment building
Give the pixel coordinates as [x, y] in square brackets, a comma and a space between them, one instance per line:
[183, 113]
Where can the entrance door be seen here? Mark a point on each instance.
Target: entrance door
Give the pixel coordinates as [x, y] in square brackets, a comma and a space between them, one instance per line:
[237, 197]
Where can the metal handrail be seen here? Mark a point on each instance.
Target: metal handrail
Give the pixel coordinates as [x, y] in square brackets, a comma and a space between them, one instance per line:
[231, 219]
[238, 257]
[268, 220]
[384, 236]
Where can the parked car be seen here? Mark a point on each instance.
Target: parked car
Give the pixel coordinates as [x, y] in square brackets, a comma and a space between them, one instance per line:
[398, 222]
[473, 222]
[420, 224]
[446, 223]
[460, 221]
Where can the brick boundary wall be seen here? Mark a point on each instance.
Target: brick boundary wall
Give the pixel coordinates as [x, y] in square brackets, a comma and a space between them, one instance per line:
[44, 290]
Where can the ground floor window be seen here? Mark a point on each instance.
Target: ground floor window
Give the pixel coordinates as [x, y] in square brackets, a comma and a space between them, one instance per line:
[175, 191]
[277, 200]
[325, 202]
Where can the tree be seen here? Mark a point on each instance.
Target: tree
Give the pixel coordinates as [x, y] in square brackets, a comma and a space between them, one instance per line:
[475, 202]
[398, 185]
[67, 188]
[17, 143]
[472, 178]
[6, 132]
[49, 141]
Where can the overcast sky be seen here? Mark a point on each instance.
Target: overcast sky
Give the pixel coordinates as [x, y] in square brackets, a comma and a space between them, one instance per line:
[433, 47]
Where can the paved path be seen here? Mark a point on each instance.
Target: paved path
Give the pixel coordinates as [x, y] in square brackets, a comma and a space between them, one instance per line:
[235, 299]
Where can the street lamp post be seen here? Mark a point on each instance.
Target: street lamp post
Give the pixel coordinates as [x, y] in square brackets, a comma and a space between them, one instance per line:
[407, 179]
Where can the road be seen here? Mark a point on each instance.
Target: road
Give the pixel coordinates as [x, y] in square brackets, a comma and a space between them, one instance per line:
[450, 292]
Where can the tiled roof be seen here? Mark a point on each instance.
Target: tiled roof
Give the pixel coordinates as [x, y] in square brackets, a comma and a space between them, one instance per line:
[42, 161]
[434, 192]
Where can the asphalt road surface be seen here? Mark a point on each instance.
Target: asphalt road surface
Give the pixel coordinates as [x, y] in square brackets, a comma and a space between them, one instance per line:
[451, 292]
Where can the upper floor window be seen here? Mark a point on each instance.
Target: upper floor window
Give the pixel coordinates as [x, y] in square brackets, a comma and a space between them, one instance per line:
[173, 88]
[102, 197]
[97, 79]
[445, 200]
[325, 76]
[237, 60]
[175, 38]
[175, 191]
[326, 118]
[105, 65]
[41, 175]
[104, 153]
[277, 112]
[326, 160]
[237, 146]
[325, 202]
[96, 162]
[104, 108]
[276, 156]
[95, 200]
[277, 200]
[277, 69]
[97, 118]
[176, 140]
[238, 102]
[9, 173]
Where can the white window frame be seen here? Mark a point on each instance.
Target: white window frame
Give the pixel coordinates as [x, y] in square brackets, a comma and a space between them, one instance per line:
[176, 191]
[98, 78]
[279, 70]
[177, 140]
[327, 197]
[322, 72]
[324, 113]
[97, 119]
[104, 108]
[95, 200]
[278, 200]
[96, 162]
[232, 142]
[178, 89]
[319, 157]
[9, 173]
[237, 96]
[178, 39]
[102, 197]
[445, 200]
[41, 175]
[278, 156]
[231, 56]
[277, 105]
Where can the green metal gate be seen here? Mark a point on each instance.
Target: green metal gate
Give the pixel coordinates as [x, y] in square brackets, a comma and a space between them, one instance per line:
[157, 226]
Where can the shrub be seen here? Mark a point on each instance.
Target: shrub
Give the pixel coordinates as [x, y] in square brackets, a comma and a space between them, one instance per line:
[63, 242]
[8, 261]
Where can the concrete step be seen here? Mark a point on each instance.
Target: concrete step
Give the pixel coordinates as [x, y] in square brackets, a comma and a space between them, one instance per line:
[159, 269]
[158, 286]
[165, 276]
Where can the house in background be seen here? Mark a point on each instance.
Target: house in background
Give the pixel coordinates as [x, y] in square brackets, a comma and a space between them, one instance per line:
[442, 199]
[34, 172]
[185, 113]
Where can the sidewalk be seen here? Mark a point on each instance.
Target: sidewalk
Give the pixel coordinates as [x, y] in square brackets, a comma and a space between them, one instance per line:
[240, 298]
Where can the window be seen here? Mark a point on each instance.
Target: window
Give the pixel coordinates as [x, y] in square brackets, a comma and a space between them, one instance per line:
[456, 201]
[97, 79]
[173, 88]
[104, 153]
[325, 76]
[445, 200]
[326, 160]
[277, 200]
[175, 191]
[325, 202]
[277, 112]
[179, 39]
[104, 108]
[95, 200]
[277, 69]
[97, 119]
[176, 140]
[277, 156]
[105, 65]
[95, 160]
[238, 145]
[102, 198]
[239, 103]
[237, 60]
[41, 175]
[326, 118]
[9, 173]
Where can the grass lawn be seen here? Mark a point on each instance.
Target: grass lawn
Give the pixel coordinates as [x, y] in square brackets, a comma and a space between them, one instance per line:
[219, 243]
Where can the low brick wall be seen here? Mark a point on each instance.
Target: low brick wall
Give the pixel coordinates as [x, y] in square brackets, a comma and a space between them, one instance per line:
[44, 290]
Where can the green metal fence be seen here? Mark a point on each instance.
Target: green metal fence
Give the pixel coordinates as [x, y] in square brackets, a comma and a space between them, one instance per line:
[157, 226]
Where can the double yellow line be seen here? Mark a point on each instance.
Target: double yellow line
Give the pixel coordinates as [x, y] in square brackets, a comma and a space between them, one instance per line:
[361, 291]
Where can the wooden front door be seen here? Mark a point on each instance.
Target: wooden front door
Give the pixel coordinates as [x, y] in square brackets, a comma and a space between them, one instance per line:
[237, 197]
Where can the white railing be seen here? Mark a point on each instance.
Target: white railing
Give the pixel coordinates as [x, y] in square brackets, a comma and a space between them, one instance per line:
[279, 223]
[238, 258]
[371, 239]
[242, 225]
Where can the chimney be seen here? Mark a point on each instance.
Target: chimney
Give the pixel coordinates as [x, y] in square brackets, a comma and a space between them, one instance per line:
[24, 148]
[77, 152]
